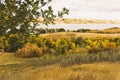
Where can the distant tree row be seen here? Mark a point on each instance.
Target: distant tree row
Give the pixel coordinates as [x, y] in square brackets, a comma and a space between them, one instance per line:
[105, 31]
[46, 30]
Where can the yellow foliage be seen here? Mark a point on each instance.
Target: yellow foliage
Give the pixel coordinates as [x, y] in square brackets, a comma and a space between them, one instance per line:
[29, 50]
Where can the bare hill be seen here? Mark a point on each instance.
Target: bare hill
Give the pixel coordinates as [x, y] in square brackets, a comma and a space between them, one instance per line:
[86, 21]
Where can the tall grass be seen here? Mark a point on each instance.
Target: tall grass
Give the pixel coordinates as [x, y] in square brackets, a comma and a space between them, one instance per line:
[67, 60]
[103, 71]
[51, 67]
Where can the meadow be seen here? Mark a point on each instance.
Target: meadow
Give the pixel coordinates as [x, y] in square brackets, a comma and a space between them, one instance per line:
[78, 34]
[12, 68]
[62, 56]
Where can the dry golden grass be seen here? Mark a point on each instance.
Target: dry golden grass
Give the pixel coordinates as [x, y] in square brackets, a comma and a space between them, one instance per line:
[95, 71]
[77, 34]
[101, 71]
[111, 30]
[8, 58]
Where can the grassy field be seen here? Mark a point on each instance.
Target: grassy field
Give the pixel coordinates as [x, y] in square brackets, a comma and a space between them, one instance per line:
[77, 34]
[103, 66]
[12, 68]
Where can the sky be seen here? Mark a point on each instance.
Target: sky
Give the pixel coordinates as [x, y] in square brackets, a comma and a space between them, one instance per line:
[89, 9]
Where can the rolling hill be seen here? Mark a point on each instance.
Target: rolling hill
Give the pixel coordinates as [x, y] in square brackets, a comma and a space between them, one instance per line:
[86, 21]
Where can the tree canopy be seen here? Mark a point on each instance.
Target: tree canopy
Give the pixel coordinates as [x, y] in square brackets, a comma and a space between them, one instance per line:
[20, 16]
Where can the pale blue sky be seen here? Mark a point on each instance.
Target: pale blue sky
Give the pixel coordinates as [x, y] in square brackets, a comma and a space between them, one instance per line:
[90, 9]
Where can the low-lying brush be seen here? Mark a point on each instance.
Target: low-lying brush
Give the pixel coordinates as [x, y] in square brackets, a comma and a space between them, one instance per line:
[111, 55]
[29, 50]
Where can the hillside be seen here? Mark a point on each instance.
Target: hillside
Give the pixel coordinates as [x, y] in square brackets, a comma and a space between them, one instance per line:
[86, 21]
[78, 34]
[111, 30]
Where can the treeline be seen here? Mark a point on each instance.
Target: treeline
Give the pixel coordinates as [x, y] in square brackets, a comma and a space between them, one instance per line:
[105, 31]
[46, 30]
[37, 46]
[113, 30]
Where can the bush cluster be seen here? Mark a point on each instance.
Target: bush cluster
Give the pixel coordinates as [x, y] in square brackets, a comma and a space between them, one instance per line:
[29, 50]
[74, 45]
[67, 60]
[33, 45]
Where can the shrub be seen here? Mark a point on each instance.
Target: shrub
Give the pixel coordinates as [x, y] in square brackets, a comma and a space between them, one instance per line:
[51, 30]
[49, 43]
[80, 42]
[14, 43]
[3, 42]
[61, 30]
[63, 45]
[117, 40]
[29, 50]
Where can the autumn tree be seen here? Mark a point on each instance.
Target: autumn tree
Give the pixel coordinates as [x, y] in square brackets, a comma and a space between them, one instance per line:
[20, 18]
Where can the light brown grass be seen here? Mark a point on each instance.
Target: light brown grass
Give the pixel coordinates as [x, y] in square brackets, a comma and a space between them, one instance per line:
[101, 71]
[95, 71]
[77, 34]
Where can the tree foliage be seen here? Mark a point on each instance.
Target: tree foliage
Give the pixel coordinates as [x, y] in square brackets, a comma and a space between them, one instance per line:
[20, 16]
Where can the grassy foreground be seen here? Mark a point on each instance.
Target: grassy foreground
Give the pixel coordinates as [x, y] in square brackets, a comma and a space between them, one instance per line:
[12, 68]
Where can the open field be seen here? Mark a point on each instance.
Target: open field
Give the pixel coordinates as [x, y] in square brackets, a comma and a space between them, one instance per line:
[77, 34]
[12, 68]
[100, 66]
